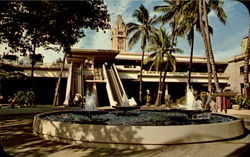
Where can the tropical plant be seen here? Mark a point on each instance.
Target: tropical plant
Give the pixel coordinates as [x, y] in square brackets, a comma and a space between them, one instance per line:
[171, 14]
[203, 13]
[160, 45]
[246, 67]
[30, 97]
[22, 98]
[186, 25]
[240, 100]
[183, 16]
[141, 30]
[203, 97]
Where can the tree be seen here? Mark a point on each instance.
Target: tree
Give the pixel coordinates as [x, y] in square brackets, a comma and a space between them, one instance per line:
[160, 44]
[27, 25]
[246, 67]
[217, 7]
[183, 16]
[172, 15]
[141, 30]
[185, 27]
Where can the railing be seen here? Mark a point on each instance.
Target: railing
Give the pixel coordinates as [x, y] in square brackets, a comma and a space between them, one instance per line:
[114, 86]
[202, 74]
[111, 95]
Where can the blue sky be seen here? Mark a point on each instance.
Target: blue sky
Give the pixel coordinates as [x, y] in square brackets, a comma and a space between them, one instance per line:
[225, 40]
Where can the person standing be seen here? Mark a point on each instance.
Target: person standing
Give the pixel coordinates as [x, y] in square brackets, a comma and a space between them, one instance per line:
[148, 97]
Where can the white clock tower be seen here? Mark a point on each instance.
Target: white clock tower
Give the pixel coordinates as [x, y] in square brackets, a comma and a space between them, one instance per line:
[119, 36]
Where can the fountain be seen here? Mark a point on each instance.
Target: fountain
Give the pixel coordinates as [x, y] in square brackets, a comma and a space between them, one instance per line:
[145, 129]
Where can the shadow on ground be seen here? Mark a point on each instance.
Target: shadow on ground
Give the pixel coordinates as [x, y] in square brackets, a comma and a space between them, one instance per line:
[19, 141]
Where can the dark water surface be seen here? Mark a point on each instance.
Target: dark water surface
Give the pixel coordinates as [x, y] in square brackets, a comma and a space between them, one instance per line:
[141, 118]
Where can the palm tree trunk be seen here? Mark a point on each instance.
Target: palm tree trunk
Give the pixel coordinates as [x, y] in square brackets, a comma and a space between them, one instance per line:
[206, 48]
[159, 92]
[166, 66]
[246, 67]
[33, 65]
[164, 78]
[140, 88]
[210, 50]
[56, 97]
[191, 58]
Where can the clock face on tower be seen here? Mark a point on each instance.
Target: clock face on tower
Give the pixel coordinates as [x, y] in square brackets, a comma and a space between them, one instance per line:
[120, 41]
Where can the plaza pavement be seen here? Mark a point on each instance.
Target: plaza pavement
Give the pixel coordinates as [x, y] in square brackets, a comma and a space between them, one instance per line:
[19, 141]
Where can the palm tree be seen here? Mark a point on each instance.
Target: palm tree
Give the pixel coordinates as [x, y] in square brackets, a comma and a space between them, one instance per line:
[186, 27]
[185, 15]
[246, 68]
[217, 7]
[188, 23]
[141, 30]
[171, 15]
[160, 44]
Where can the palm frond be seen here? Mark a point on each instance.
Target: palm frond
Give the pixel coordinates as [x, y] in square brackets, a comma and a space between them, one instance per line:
[141, 14]
[130, 27]
[134, 39]
[217, 7]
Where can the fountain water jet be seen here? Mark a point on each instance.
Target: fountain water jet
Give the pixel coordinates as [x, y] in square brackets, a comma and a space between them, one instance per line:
[191, 109]
[190, 103]
[90, 103]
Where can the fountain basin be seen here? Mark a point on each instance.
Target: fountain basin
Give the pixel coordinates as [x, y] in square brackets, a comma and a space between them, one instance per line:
[134, 137]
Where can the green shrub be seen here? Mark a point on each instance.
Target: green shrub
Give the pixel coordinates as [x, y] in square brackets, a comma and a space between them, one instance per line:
[203, 97]
[22, 98]
[240, 100]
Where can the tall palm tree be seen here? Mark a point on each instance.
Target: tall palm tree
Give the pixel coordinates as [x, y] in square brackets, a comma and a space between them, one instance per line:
[246, 66]
[141, 30]
[186, 13]
[171, 16]
[206, 49]
[160, 44]
[186, 27]
[217, 7]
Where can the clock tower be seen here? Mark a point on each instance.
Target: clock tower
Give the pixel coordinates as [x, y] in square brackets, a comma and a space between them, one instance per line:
[119, 36]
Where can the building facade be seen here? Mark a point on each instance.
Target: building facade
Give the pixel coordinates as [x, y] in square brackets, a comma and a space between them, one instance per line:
[235, 69]
[113, 75]
[125, 66]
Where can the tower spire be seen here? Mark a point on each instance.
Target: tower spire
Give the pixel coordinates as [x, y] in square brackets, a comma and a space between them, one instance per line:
[119, 36]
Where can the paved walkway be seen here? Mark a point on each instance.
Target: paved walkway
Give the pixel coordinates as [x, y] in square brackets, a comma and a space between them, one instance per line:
[19, 141]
